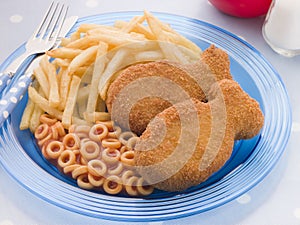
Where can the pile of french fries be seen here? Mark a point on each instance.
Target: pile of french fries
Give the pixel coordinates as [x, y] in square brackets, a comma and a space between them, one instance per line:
[72, 80]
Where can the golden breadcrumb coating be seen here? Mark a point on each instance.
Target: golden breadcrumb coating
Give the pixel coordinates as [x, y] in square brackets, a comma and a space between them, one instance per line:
[218, 62]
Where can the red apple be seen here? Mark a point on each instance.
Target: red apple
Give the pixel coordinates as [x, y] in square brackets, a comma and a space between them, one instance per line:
[242, 8]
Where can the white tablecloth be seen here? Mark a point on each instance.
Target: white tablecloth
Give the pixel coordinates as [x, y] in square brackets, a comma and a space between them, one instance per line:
[275, 200]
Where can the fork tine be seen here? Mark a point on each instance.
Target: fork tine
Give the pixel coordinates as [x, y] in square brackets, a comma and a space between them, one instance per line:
[56, 26]
[61, 22]
[49, 21]
[46, 16]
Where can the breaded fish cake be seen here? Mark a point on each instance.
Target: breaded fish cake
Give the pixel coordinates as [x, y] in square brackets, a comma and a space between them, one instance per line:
[173, 155]
[141, 79]
[194, 79]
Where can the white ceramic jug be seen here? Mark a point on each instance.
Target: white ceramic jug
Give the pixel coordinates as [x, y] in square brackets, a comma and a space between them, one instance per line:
[281, 28]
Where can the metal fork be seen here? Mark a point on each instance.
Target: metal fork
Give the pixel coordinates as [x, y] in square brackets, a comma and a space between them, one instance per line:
[42, 39]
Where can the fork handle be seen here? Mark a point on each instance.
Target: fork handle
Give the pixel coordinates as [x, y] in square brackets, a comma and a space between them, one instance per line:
[9, 101]
[5, 78]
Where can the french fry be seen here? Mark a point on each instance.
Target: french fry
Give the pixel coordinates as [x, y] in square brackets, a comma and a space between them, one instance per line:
[76, 112]
[78, 121]
[148, 56]
[37, 112]
[190, 54]
[64, 52]
[113, 40]
[42, 80]
[173, 53]
[26, 117]
[145, 31]
[84, 28]
[81, 107]
[83, 70]
[64, 89]
[168, 49]
[83, 93]
[86, 74]
[116, 38]
[182, 41]
[44, 63]
[132, 23]
[74, 36]
[97, 116]
[50, 70]
[71, 101]
[43, 103]
[82, 98]
[65, 41]
[27, 113]
[61, 62]
[81, 59]
[139, 28]
[34, 121]
[59, 74]
[83, 43]
[120, 34]
[113, 66]
[98, 71]
[120, 24]
[35, 116]
[148, 45]
[155, 26]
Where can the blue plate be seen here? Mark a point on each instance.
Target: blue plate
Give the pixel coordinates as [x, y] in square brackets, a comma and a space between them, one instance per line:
[250, 162]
